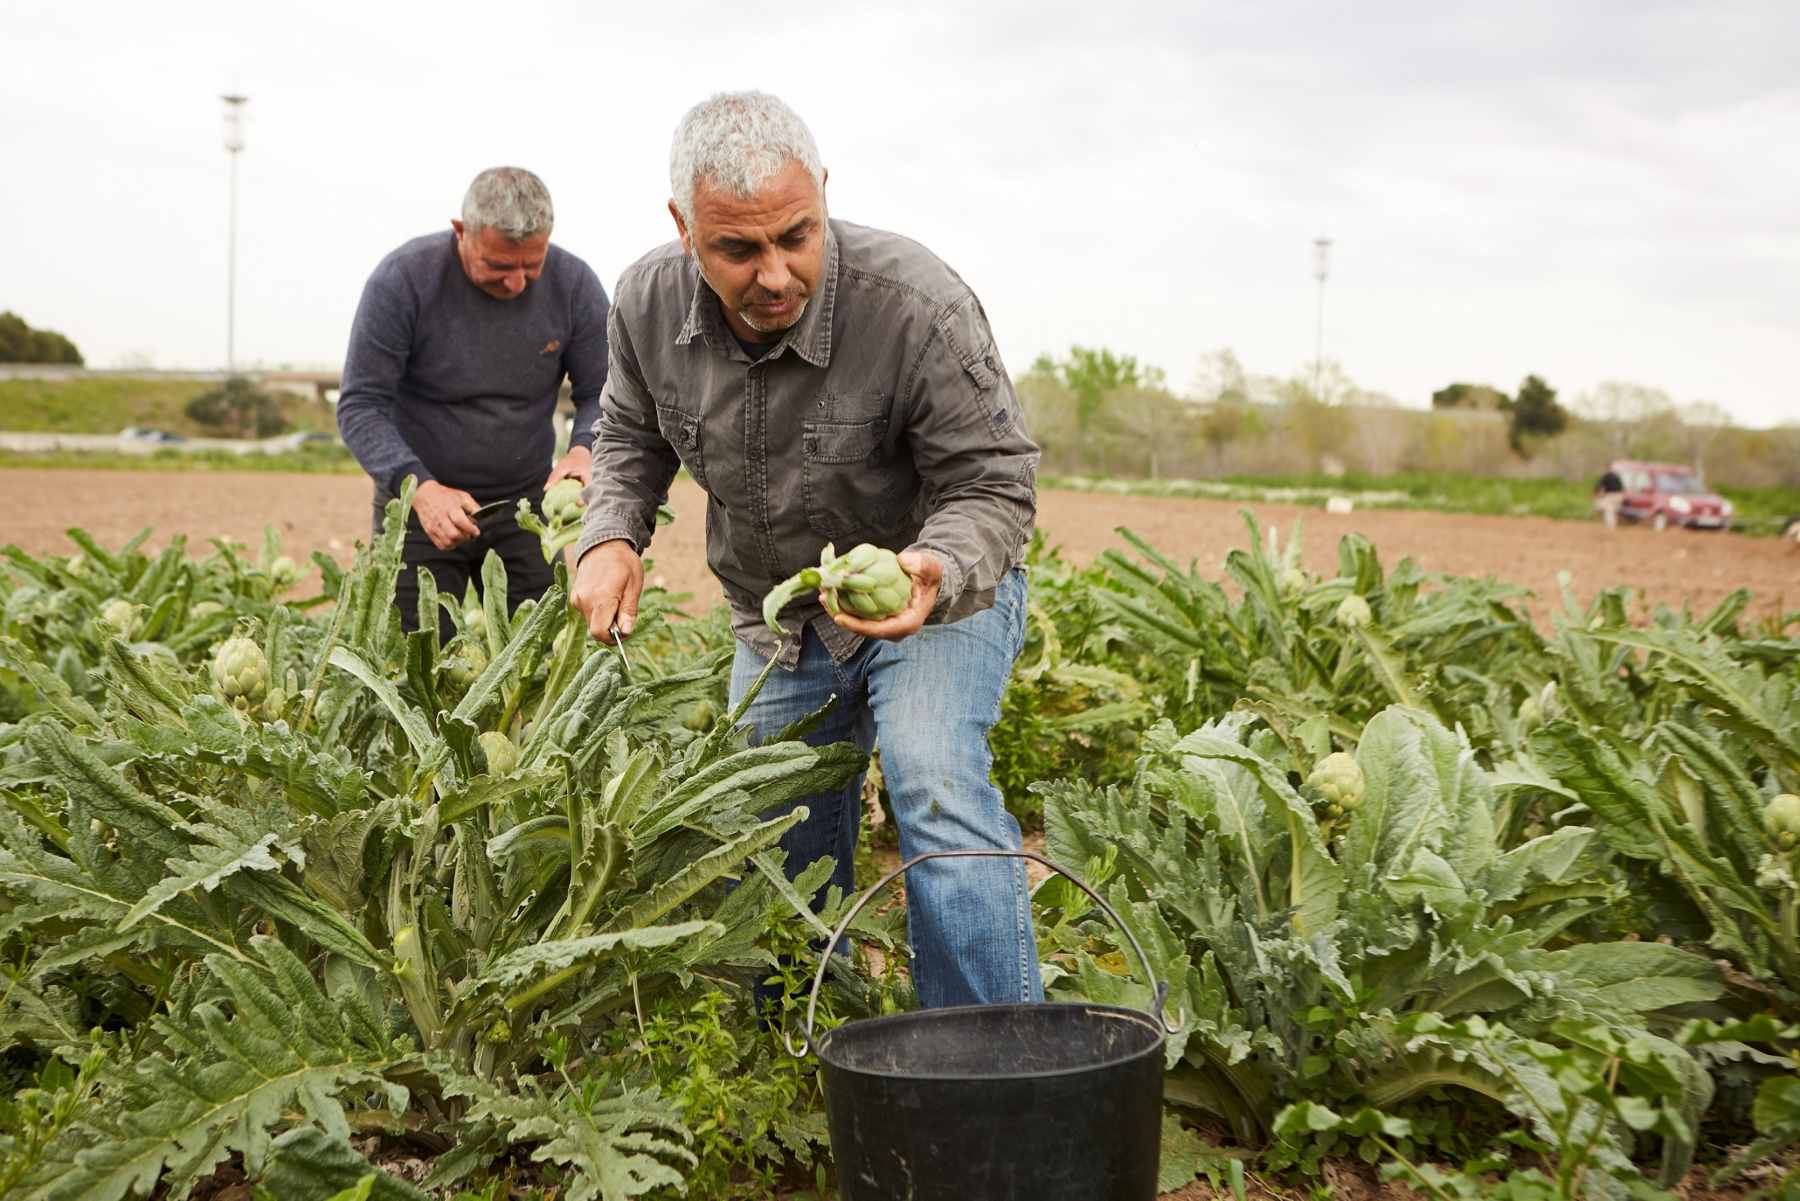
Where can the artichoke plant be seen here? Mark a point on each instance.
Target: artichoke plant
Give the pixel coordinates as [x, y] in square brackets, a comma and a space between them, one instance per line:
[868, 581]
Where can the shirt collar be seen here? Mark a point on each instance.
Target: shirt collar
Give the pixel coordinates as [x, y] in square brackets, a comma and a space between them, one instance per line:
[810, 339]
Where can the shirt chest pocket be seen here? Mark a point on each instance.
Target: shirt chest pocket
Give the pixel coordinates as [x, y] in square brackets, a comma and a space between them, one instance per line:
[682, 431]
[851, 484]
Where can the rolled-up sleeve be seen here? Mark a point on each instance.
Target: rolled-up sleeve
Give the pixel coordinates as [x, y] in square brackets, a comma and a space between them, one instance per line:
[633, 463]
[976, 461]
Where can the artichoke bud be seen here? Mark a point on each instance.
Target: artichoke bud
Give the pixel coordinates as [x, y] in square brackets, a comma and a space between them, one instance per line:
[502, 756]
[1781, 817]
[1339, 780]
[1353, 612]
[701, 718]
[284, 573]
[867, 580]
[464, 665]
[241, 671]
[1530, 714]
[562, 501]
[498, 1033]
[1292, 582]
[121, 615]
[204, 609]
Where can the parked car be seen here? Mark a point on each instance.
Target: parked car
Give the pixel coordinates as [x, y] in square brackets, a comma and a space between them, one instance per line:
[1666, 494]
[305, 439]
[133, 433]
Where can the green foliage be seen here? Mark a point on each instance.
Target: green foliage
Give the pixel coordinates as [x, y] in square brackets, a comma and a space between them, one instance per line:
[339, 911]
[237, 409]
[1092, 373]
[749, 1106]
[107, 403]
[1297, 949]
[1534, 413]
[1064, 714]
[1582, 1097]
[19, 343]
[490, 894]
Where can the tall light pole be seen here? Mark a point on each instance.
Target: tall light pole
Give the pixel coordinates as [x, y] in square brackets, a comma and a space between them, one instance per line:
[1321, 268]
[234, 145]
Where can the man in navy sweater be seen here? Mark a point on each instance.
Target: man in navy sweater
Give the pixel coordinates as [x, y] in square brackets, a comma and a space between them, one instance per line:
[457, 353]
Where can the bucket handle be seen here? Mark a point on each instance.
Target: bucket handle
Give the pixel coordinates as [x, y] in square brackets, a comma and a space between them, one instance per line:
[1159, 988]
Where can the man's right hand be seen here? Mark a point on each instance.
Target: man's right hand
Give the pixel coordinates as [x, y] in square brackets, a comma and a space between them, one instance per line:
[444, 514]
[608, 581]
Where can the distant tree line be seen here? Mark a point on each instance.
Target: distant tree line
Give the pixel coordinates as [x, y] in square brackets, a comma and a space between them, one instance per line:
[1096, 412]
[19, 343]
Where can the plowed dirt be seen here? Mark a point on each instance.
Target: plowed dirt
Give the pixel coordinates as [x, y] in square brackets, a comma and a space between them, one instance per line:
[331, 513]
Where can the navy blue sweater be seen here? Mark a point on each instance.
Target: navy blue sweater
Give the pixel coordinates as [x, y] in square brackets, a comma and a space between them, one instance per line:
[444, 382]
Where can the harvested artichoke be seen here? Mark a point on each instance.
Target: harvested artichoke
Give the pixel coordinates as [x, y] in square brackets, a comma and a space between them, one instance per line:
[868, 581]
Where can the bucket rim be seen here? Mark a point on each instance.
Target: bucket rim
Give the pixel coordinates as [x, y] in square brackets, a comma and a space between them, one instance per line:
[1159, 989]
[822, 1044]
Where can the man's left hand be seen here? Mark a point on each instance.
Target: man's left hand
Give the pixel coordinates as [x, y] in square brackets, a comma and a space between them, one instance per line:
[927, 572]
[578, 464]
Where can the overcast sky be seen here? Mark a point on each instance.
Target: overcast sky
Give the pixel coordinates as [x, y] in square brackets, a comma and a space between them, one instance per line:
[1593, 190]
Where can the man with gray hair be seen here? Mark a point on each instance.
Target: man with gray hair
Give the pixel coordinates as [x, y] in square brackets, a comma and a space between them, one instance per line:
[826, 382]
[457, 354]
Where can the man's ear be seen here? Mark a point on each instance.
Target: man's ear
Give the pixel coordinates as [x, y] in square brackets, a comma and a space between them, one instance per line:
[687, 243]
[457, 225]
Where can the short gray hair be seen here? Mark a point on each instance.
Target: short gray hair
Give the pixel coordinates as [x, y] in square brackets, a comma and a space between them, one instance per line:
[736, 141]
[511, 201]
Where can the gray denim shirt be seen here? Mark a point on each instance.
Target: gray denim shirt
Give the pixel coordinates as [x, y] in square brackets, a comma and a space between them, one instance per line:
[884, 415]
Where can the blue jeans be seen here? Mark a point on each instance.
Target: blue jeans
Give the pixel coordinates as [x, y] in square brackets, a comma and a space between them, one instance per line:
[930, 701]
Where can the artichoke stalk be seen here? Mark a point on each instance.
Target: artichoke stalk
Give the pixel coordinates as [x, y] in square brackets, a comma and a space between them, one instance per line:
[868, 581]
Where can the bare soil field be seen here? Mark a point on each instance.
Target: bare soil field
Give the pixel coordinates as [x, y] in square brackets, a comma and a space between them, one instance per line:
[331, 513]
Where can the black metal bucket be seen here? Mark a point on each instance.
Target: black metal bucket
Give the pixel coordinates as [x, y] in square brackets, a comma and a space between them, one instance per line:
[1035, 1102]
